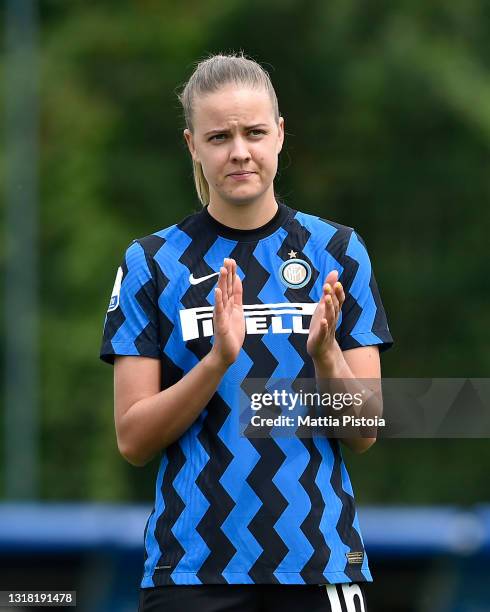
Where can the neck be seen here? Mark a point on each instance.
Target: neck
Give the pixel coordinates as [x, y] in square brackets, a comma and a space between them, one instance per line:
[245, 214]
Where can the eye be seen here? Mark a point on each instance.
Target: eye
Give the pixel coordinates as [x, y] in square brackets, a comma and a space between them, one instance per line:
[217, 137]
[257, 132]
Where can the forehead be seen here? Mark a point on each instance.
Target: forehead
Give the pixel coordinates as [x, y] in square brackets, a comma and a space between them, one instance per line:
[231, 105]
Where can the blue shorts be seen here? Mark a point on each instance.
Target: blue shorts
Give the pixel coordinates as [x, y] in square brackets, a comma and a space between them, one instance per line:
[254, 598]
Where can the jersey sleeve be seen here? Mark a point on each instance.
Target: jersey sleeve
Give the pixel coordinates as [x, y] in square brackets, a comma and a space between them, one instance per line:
[131, 322]
[363, 318]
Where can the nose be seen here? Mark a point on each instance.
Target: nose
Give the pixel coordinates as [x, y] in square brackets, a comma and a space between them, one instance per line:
[239, 151]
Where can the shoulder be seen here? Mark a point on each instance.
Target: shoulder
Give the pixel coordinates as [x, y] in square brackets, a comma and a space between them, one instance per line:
[324, 233]
[171, 238]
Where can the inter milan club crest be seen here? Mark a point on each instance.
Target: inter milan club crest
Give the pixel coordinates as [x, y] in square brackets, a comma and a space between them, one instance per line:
[295, 273]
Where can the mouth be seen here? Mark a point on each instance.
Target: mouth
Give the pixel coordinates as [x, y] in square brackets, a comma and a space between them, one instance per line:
[242, 174]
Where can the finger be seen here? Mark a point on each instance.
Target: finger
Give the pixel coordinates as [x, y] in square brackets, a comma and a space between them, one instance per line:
[328, 291]
[233, 275]
[218, 301]
[332, 277]
[333, 292]
[319, 311]
[222, 284]
[323, 329]
[229, 277]
[329, 309]
[339, 290]
[238, 291]
[335, 301]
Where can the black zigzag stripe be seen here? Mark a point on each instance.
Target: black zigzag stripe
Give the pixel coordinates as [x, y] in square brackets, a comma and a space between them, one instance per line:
[255, 275]
[338, 242]
[351, 310]
[193, 259]
[298, 342]
[345, 525]
[263, 361]
[274, 504]
[141, 342]
[349, 321]
[380, 322]
[313, 569]
[220, 502]
[145, 552]
[271, 456]
[114, 321]
[173, 509]
[170, 372]
[151, 245]
[337, 247]
[296, 239]
[208, 481]
[146, 298]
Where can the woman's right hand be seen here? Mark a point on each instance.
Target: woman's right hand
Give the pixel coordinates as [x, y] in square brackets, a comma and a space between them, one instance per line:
[228, 319]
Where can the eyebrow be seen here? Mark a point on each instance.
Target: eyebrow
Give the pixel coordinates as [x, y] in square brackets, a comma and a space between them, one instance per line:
[248, 127]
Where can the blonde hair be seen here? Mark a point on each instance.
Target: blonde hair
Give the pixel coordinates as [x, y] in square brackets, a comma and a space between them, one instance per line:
[209, 75]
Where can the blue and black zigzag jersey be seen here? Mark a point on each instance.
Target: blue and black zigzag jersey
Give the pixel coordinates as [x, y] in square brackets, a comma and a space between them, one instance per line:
[229, 508]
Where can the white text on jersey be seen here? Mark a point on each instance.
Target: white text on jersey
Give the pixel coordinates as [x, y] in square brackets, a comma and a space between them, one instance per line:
[259, 319]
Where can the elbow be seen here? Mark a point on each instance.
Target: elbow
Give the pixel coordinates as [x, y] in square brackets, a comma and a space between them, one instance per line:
[364, 444]
[132, 457]
[127, 447]
[359, 445]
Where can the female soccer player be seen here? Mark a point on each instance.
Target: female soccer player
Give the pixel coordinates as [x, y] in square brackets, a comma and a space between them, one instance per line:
[247, 288]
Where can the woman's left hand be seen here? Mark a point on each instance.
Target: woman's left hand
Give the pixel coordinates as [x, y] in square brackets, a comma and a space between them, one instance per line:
[321, 336]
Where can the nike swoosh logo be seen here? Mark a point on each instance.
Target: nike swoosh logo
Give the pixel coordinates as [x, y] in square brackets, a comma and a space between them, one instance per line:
[196, 281]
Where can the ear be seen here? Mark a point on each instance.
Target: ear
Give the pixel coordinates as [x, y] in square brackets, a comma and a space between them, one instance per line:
[280, 136]
[190, 144]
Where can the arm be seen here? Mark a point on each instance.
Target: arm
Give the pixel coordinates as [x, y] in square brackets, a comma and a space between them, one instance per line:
[340, 370]
[358, 363]
[148, 419]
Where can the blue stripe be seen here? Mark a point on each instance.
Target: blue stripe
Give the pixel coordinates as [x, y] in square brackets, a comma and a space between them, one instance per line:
[214, 256]
[196, 505]
[136, 320]
[321, 234]
[331, 512]
[287, 476]
[289, 361]
[168, 259]
[266, 254]
[247, 504]
[151, 543]
[288, 526]
[347, 486]
[360, 289]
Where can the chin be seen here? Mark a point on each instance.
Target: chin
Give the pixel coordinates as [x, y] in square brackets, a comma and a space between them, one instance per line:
[246, 197]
